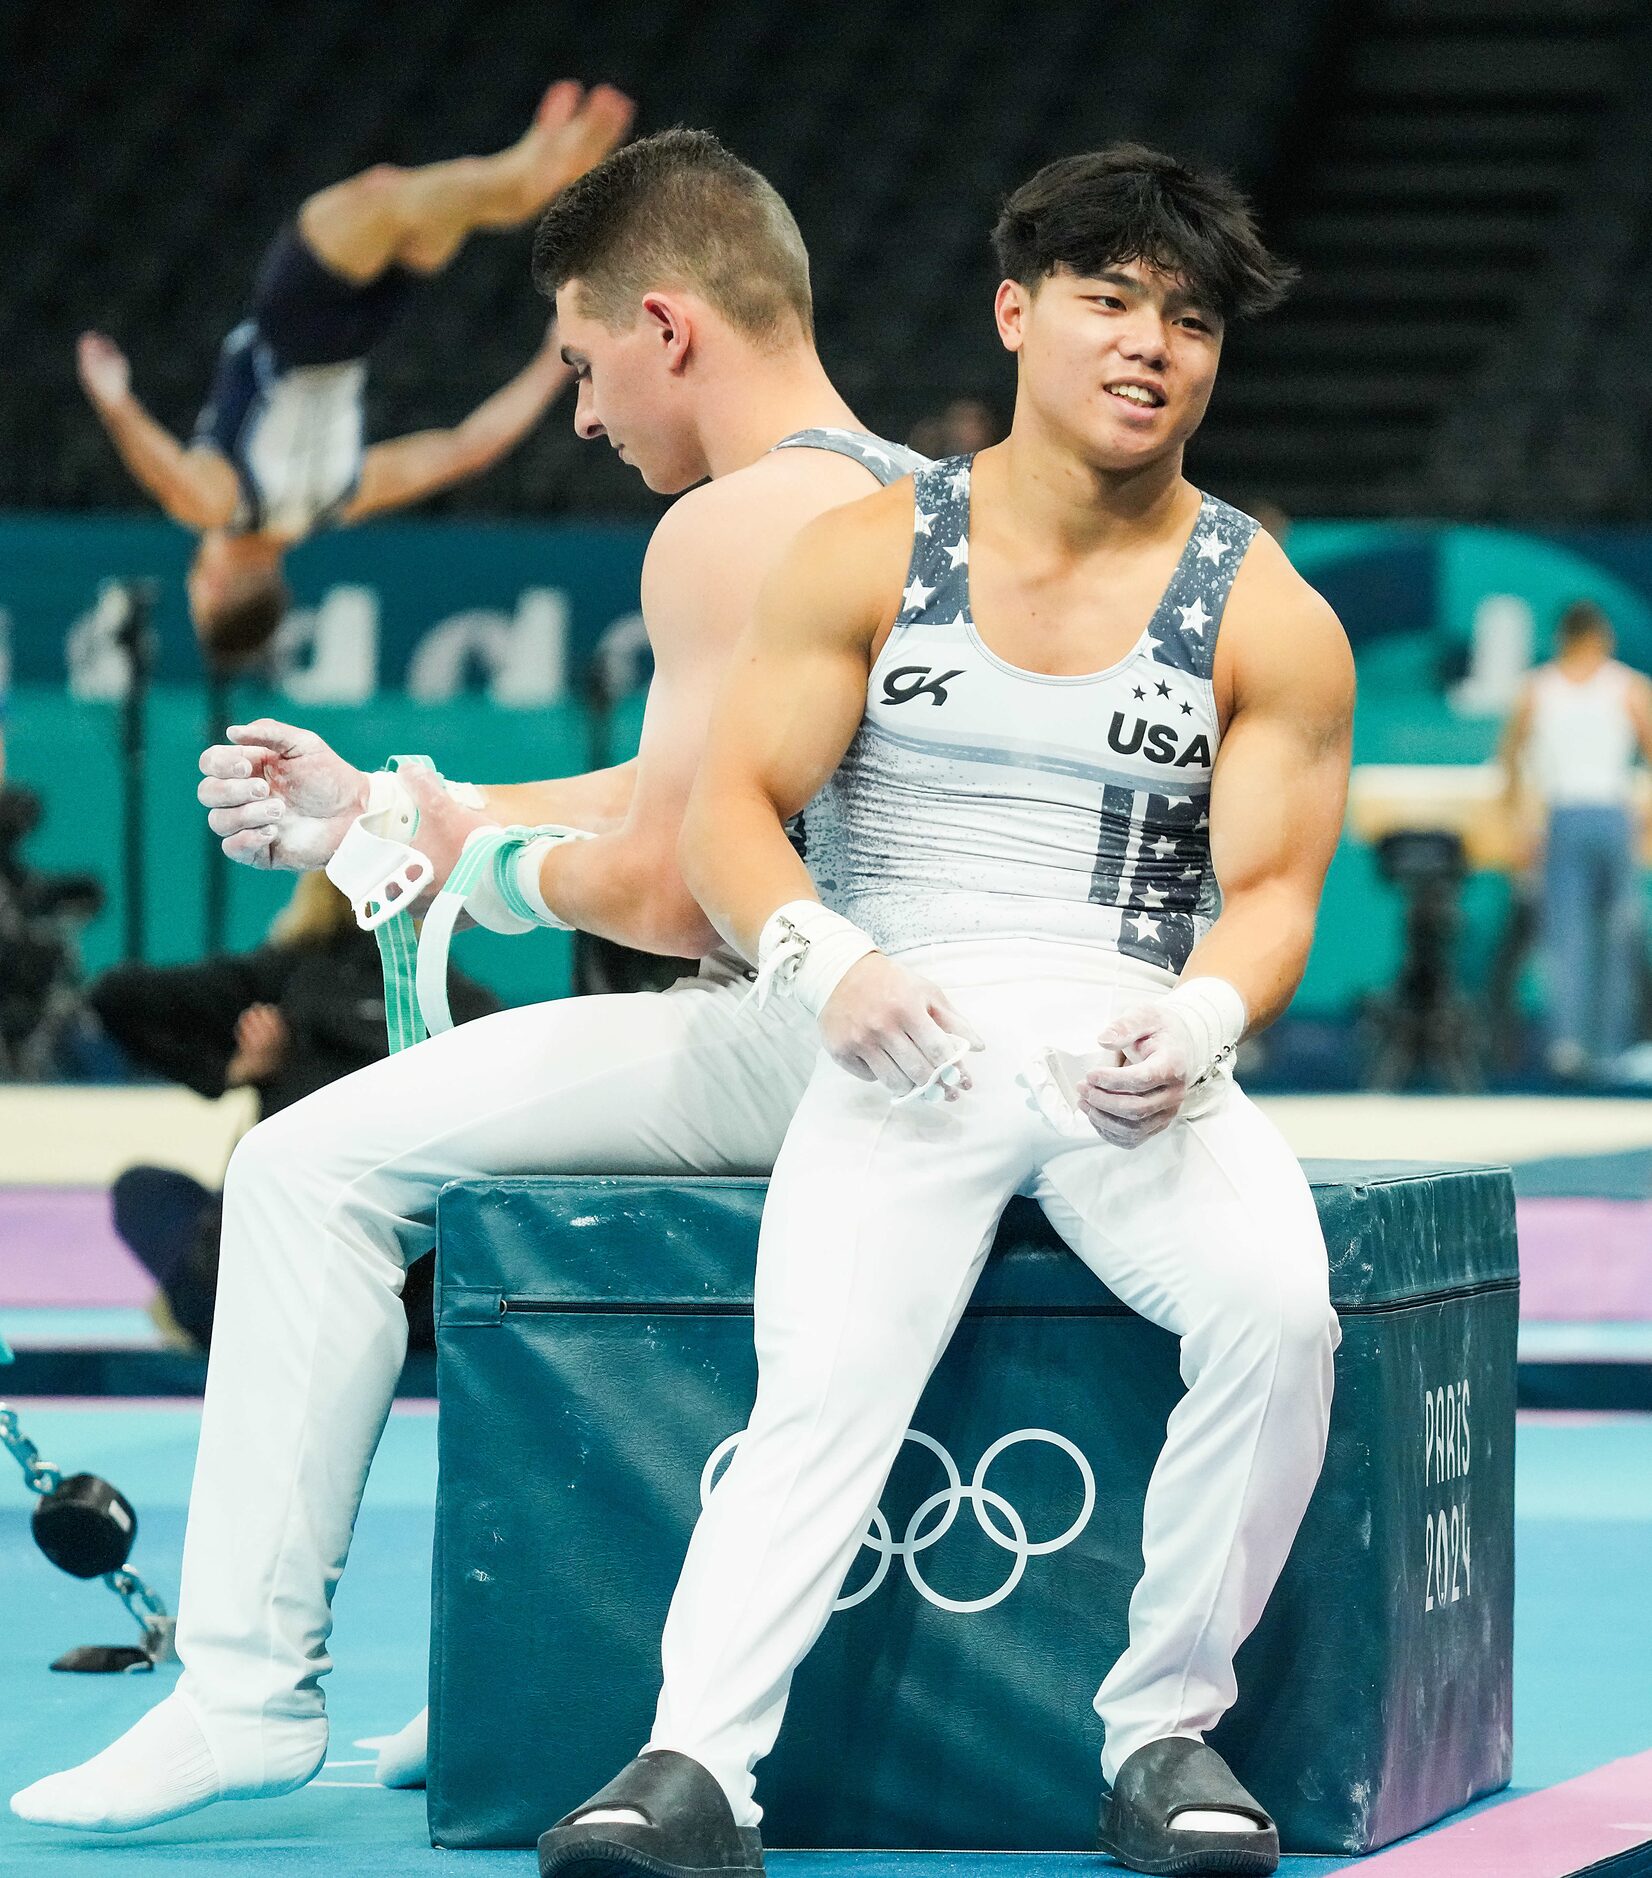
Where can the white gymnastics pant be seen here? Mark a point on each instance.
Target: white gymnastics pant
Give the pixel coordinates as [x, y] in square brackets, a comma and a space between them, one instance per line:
[877, 1223]
[325, 1206]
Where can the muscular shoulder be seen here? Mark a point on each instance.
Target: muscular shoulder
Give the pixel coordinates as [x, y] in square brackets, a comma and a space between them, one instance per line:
[846, 568]
[716, 546]
[1280, 637]
[876, 530]
[742, 524]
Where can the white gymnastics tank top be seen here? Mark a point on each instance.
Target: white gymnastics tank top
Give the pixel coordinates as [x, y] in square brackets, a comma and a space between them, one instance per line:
[980, 800]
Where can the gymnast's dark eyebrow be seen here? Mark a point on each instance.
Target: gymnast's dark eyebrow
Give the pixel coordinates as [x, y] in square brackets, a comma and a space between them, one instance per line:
[576, 360]
[1182, 297]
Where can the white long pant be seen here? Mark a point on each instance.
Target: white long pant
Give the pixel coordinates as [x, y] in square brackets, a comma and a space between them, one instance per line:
[324, 1207]
[877, 1223]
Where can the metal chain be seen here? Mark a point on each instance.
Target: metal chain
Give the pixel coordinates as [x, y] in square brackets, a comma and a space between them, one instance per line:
[135, 1595]
[38, 1475]
[42, 1477]
[151, 1614]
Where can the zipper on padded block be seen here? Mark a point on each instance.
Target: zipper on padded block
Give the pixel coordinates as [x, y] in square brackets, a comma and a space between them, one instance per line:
[503, 1307]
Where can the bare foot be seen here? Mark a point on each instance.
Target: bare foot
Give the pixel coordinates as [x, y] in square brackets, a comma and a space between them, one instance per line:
[556, 108]
[572, 131]
[104, 375]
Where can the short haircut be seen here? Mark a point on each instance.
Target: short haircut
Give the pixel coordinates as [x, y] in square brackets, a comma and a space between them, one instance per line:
[1096, 211]
[678, 209]
[235, 633]
[1582, 620]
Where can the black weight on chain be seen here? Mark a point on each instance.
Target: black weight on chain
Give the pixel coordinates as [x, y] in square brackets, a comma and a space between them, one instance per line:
[85, 1526]
[88, 1528]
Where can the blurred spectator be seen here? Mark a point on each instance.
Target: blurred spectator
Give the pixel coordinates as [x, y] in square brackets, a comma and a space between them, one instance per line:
[297, 1013]
[1568, 753]
[1272, 517]
[40, 919]
[965, 426]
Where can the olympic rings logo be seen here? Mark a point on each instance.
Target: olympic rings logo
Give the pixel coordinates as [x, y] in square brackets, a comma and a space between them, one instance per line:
[989, 1508]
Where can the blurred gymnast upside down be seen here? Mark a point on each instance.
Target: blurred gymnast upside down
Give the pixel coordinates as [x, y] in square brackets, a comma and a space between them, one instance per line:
[278, 451]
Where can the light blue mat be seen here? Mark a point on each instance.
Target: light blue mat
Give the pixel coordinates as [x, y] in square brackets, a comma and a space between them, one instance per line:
[1583, 1655]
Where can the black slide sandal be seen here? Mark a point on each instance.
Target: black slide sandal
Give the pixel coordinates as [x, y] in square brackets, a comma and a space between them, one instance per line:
[1176, 1776]
[689, 1831]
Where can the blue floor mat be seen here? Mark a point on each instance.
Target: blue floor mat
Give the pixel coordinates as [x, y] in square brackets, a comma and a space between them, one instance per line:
[1621, 1176]
[1583, 1667]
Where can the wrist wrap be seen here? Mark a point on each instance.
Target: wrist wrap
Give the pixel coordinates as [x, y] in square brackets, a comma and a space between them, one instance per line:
[806, 950]
[1214, 1012]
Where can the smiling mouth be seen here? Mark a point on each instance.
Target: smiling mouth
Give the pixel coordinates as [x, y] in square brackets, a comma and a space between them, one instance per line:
[1139, 397]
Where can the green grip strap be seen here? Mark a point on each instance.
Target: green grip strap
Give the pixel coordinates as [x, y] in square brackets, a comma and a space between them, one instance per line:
[398, 948]
[398, 955]
[492, 853]
[415, 964]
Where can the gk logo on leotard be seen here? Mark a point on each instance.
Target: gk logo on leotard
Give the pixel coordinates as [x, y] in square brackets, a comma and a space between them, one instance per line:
[919, 684]
[989, 1508]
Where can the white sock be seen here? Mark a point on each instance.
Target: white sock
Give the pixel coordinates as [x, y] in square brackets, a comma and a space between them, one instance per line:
[1209, 1819]
[402, 1755]
[160, 1769]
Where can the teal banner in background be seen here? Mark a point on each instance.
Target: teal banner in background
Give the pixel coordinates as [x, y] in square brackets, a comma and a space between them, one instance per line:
[471, 641]
[432, 609]
[427, 609]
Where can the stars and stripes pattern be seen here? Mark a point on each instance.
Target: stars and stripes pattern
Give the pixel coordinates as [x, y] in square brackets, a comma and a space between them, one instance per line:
[937, 581]
[1183, 630]
[887, 461]
[1004, 801]
[1153, 864]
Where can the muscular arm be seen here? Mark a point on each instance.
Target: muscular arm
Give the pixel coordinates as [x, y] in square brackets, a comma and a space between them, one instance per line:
[195, 486]
[789, 708]
[793, 699]
[279, 797]
[598, 800]
[407, 469]
[625, 884]
[706, 565]
[1278, 792]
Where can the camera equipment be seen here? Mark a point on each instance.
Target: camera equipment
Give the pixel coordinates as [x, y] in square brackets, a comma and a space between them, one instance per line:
[40, 915]
[135, 637]
[1424, 1025]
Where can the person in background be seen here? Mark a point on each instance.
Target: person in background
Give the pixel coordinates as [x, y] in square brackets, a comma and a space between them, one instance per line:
[284, 1020]
[960, 429]
[1568, 753]
[1269, 513]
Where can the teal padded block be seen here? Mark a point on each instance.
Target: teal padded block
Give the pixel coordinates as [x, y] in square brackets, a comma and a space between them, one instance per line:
[595, 1350]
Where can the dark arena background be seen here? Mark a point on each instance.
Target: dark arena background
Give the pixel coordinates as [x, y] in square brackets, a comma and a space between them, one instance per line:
[1447, 426]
